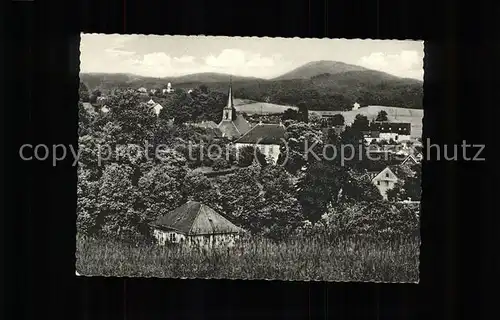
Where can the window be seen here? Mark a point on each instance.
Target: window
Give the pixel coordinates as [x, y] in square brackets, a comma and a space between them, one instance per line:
[378, 183]
[387, 183]
[172, 237]
[396, 137]
[387, 174]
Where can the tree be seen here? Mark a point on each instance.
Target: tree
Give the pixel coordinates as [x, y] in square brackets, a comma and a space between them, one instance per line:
[203, 88]
[249, 155]
[315, 118]
[85, 119]
[375, 219]
[289, 114]
[319, 187]
[281, 213]
[361, 123]
[304, 144]
[95, 94]
[381, 116]
[338, 120]
[136, 119]
[160, 192]
[303, 113]
[118, 217]
[87, 220]
[83, 92]
[197, 187]
[241, 198]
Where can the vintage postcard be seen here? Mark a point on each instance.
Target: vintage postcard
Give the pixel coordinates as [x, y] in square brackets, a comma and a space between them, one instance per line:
[249, 158]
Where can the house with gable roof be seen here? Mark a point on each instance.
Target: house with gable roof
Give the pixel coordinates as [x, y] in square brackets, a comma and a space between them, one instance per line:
[389, 176]
[195, 223]
[266, 137]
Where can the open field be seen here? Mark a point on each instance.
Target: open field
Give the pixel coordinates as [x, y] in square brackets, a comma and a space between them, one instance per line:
[347, 260]
[413, 116]
[252, 107]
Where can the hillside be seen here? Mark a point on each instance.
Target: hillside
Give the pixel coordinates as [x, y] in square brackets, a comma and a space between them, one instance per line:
[394, 114]
[210, 77]
[106, 81]
[315, 68]
[319, 85]
[338, 92]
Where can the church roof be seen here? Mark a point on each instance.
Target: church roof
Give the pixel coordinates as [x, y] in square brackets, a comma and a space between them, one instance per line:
[229, 130]
[264, 134]
[242, 124]
[195, 218]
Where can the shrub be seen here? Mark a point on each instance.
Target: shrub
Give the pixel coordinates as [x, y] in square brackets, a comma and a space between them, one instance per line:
[220, 164]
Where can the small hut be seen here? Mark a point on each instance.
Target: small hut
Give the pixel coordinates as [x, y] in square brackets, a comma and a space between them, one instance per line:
[194, 223]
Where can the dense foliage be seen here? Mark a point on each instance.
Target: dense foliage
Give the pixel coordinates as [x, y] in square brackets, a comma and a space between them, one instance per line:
[136, 166]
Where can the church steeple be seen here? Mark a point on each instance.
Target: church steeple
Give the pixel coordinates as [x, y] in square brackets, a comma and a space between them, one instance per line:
[228, 109]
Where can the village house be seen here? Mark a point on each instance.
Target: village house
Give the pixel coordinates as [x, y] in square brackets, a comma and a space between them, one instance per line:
[389, 176]
[101, 100]
[142, 90]
[371, 136]
[232, 129]
[385, 180]
[169, 89]
[156, 106]
[194, 223]
[266, 137]
[397, 131]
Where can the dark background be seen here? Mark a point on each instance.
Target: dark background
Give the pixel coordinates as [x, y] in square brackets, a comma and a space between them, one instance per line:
[458, 259]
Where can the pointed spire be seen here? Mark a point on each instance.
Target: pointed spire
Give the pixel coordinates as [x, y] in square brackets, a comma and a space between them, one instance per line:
[230, 93]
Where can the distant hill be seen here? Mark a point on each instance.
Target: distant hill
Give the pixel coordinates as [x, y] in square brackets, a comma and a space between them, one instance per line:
[106, 81]
[319, 85]
[315, 68]
[210, 77]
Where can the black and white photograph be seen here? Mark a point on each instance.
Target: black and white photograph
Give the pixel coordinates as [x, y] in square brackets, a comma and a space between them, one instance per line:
[249, 158]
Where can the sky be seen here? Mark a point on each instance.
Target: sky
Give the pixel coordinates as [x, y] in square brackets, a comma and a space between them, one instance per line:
[164, 56]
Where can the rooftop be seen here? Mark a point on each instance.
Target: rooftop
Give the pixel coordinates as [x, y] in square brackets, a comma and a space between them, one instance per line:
[264, 134]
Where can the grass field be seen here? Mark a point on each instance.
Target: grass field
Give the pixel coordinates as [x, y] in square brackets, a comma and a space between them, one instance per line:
[346, 260]
[252, 107]
[413, 116]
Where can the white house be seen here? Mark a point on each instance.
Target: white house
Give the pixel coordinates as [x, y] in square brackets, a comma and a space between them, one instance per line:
[385, 180]
[194, 223]
[397, 131]
[142, 90]
[169, 89]
[156, 106]
[266, 137]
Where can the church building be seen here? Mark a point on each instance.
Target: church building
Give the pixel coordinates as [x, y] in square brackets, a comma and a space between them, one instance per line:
[232, 126]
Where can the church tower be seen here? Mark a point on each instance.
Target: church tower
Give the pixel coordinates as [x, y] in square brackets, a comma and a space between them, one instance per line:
[227, 113]
[228, 127]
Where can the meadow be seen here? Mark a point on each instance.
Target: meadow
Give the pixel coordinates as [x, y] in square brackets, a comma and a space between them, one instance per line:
[413, 116]
[252, 107]
[256, 258]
